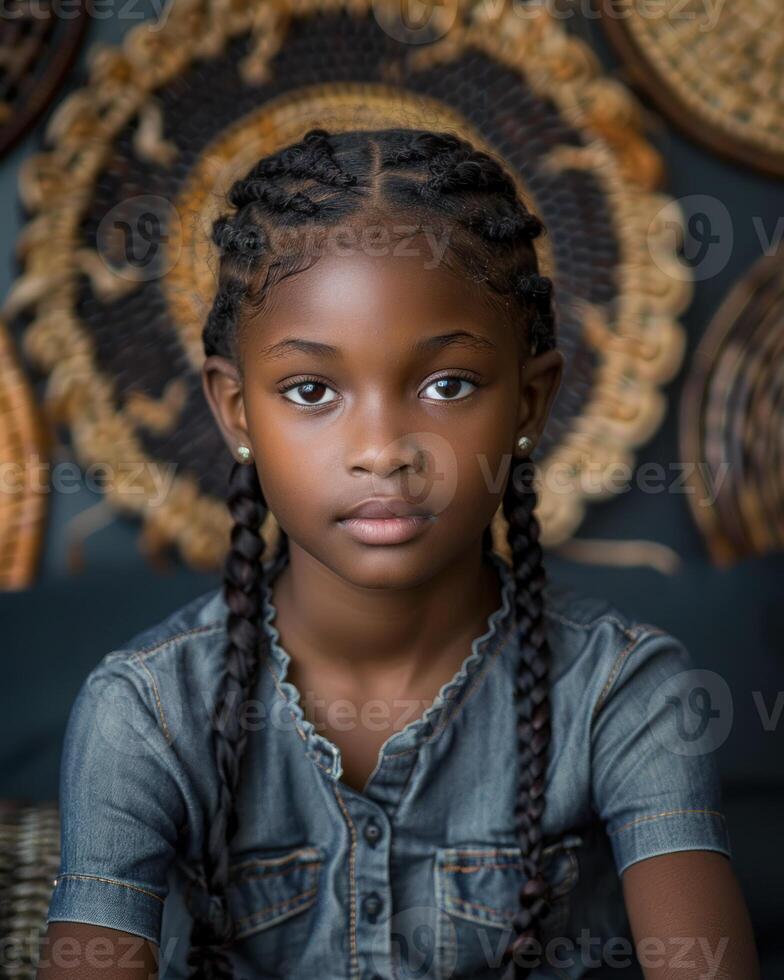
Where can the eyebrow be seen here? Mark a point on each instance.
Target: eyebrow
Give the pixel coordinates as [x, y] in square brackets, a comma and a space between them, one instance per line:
[458, 338]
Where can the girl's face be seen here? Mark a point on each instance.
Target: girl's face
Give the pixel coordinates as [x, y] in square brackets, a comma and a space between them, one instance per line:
[376, 376]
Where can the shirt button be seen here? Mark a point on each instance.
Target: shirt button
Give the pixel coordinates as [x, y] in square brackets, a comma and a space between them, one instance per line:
[372, 833]
[373, 905]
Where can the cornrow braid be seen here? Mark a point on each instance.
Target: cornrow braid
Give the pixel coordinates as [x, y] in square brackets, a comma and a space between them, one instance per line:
[453, 176]
[324, 180]
[507, 224]
[261, 191]
[242, 240]
[312, 158]
[421, 147]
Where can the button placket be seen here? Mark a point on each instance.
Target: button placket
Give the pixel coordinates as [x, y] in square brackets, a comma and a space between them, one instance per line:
[371, 887]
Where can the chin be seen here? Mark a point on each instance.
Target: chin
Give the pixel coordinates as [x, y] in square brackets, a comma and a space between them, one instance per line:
[396, 566]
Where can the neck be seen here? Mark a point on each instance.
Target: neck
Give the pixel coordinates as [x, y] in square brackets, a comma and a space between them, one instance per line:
[362, 635]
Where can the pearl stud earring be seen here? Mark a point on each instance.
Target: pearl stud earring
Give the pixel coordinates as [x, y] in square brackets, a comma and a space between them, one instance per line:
[525, 444]
[244, 453]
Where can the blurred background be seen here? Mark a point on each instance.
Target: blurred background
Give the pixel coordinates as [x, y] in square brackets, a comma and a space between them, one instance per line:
[82, 575]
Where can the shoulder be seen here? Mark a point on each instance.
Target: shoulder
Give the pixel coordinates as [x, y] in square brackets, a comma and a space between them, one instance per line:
[584, 612]
[597, 649]
[201, 616]
[155, 672]
[635, 714]
[188, 641]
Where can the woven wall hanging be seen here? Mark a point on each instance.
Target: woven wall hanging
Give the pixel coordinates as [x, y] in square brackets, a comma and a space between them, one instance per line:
[140, 157]
[732, 419]
[38, 44]
[24, 448]
[715, 69]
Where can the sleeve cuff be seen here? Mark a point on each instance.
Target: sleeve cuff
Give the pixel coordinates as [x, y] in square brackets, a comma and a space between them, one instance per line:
[667, 831]
[106, 902]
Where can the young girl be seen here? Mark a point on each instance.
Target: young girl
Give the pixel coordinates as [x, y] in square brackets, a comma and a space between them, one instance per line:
[386, 751]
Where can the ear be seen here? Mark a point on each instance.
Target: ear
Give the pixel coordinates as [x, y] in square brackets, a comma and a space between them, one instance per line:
[540, 379]
[223, 390]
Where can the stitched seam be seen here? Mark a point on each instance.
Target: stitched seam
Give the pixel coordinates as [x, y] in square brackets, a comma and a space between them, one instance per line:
[277, 871]
[459, 903]
[162, 644]
[458, 707]
[616, 667]
[517, 866]
[472, 852]
[109, 881]
[286, 863]
[354, 964]
[300, 731]
[277, 906]
[156, 695]
[665, 813]
[604, 618]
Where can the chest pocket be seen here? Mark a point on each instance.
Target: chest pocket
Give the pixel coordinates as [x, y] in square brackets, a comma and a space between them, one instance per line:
[270, 894]
[477, 893]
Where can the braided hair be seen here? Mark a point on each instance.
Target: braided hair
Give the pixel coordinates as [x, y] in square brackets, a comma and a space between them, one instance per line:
[322, 181]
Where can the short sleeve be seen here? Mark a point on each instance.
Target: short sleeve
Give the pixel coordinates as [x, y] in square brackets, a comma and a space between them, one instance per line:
[655, 728]
[120, 806]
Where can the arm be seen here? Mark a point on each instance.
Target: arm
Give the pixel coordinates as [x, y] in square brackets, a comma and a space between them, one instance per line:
[689, 919]
[72, 949]
[657, 789]
[120, 809]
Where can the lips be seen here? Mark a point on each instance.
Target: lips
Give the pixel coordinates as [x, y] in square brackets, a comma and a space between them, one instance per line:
[384, 508]
[385, 521]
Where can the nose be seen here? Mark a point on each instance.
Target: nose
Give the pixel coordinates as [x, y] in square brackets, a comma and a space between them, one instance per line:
[380, 442]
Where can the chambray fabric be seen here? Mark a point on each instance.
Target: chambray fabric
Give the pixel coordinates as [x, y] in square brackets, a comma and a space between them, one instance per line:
[419, 875]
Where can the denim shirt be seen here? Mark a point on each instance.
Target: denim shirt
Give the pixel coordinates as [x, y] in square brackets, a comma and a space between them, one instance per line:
[419, 874]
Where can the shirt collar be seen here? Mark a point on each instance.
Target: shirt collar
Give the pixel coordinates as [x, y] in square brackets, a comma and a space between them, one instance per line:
[321, 749]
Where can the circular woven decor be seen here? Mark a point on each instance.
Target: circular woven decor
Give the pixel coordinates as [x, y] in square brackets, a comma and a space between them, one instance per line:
[732, 419]
[119, 272]
[24, 443]
[715, 69]
[39, 40]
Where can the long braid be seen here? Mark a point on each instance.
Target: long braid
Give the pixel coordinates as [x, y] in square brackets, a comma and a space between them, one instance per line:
[242, 579]
[322, 181]
[532, 701]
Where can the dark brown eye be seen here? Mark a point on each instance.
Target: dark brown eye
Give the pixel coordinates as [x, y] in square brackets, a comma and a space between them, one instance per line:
[311, 393]
[449, 388]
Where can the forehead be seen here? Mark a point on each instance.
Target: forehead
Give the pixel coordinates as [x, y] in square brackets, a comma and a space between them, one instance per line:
[396, 296]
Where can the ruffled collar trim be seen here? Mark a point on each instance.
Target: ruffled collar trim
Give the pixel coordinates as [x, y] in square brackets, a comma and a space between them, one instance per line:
[410, 736]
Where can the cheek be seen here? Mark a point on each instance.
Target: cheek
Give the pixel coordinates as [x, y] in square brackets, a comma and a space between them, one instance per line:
[483, 476]
[484, 452]
[294, 465]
